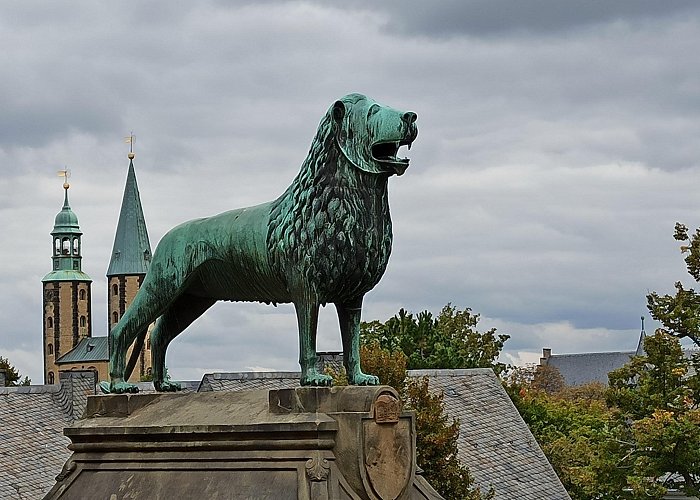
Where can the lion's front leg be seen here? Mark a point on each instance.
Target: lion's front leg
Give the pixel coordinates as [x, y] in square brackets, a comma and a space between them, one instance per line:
[307, 318]
[349, 318]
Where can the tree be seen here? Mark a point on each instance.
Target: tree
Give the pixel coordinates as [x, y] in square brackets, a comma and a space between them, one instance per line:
[658, 397]
[449, 341]
[680, 313]
[12, 376]
[436, 436]
[573, 427]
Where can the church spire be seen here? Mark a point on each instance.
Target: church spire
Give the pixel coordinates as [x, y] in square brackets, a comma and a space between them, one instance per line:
[131, 253]
[640, 346]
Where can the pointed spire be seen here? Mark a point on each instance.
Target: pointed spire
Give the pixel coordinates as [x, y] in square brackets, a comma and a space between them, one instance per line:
[131, 253]
[640, 346]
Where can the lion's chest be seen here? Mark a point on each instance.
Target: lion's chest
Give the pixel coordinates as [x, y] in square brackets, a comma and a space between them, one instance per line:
[348, 244]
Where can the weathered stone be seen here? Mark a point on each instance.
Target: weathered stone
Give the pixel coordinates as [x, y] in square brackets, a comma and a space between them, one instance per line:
[304, 443]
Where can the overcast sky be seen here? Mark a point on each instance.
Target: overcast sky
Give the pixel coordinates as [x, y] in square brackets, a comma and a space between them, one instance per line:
[559, 142]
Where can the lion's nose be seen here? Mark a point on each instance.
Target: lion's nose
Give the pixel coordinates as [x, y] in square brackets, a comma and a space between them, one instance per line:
[409, 117]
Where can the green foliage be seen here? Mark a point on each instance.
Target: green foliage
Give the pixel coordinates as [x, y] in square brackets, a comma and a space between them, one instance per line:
[449, 341]
[574, 428]
[680, 313]
[12, 376]
[658, 397]
[436, 436]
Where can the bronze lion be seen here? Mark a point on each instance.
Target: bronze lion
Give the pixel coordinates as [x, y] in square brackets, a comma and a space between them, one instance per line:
[326, 239]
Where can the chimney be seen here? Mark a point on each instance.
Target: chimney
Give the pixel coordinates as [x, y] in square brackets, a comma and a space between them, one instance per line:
[546, 354]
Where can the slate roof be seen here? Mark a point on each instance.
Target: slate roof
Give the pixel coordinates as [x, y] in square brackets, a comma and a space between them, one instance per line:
[131, 253]
[33, 448]
[88, 350]
[494, 441]
[579, 369]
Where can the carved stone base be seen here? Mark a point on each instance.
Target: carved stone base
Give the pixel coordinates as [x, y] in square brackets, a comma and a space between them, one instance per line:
[304, 443]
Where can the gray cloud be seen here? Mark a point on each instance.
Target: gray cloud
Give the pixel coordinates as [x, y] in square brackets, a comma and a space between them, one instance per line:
[557, 148]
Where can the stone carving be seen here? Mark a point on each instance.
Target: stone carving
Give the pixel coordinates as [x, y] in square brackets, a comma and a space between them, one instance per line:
[317, 468]
[326, 239]
[387, 409]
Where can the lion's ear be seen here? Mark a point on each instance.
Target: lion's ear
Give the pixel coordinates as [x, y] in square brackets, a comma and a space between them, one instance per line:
[338, 111]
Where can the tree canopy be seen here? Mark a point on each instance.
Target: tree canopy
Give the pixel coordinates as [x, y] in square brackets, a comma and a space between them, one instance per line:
[680, 313]
[632, 440]
[449, 341]
[12, 376]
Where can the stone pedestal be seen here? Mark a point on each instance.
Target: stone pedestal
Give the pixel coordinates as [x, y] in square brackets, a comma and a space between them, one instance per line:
[304, 443]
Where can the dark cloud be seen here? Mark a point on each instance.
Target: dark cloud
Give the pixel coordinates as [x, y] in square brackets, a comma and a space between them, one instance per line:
[557, 148]
[526, 18]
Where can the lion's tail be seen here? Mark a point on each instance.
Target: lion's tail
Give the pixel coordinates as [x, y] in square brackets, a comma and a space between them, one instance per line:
[135, 353]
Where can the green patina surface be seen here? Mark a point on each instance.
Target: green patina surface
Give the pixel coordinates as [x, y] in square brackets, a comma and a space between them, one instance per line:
[326, 239]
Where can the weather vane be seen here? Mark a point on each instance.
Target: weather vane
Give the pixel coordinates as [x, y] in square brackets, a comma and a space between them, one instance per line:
[65, 173]
[130, 141]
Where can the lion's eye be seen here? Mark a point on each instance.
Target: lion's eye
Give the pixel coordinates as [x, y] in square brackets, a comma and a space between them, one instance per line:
[372, 110]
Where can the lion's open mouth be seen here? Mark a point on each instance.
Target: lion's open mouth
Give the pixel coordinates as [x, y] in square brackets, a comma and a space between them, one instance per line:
[386, 154]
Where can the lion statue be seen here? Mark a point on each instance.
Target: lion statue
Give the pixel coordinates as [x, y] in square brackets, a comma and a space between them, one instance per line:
[326, 239]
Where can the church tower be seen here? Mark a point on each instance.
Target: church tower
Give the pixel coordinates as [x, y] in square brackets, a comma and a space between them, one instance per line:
[131, 256]
[67, 296]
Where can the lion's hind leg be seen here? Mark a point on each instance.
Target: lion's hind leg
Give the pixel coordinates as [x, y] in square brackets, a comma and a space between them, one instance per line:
[178, 316]
[349, 319]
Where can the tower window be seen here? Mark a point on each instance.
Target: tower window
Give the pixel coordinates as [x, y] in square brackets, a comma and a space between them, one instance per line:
[57, 246]
[115, 289]
[115, 317]
[82, 294]
[49, 348]
[76, 246]
[66, 246]
[51, 378]
[83, 321]
[49, 322]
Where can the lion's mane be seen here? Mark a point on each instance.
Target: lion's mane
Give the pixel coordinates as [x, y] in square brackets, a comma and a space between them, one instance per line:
[331, 228]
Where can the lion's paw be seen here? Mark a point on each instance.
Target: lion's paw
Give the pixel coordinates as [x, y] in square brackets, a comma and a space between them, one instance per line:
[317, 379]
[363, 379]
[123, 387]
[167, 386]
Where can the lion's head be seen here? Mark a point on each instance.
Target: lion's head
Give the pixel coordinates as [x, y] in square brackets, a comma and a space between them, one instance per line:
[370, 134]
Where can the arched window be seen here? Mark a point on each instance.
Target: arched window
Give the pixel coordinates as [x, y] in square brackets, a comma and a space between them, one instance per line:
[115, 318]
[49, 322]
[148, 343]
[82, 294]
[115, 289]
[49, 348]
[57, 246]
[76, 246]
[51, 378]
[66, 246]
[83, 321]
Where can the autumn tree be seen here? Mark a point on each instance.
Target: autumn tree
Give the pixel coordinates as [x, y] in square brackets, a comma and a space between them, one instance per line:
[449, 341]
[12, 376]
[573, 427]
[658, 399]
[680, 313]
[436, 433]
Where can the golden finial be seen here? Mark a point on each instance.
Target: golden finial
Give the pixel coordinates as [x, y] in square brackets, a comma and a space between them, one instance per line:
[65, 173]
[130, 141]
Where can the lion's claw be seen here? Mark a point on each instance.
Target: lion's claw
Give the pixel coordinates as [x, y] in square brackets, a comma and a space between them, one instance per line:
[166, 386]
[363, 379]
[123, 388]
[317, 379]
